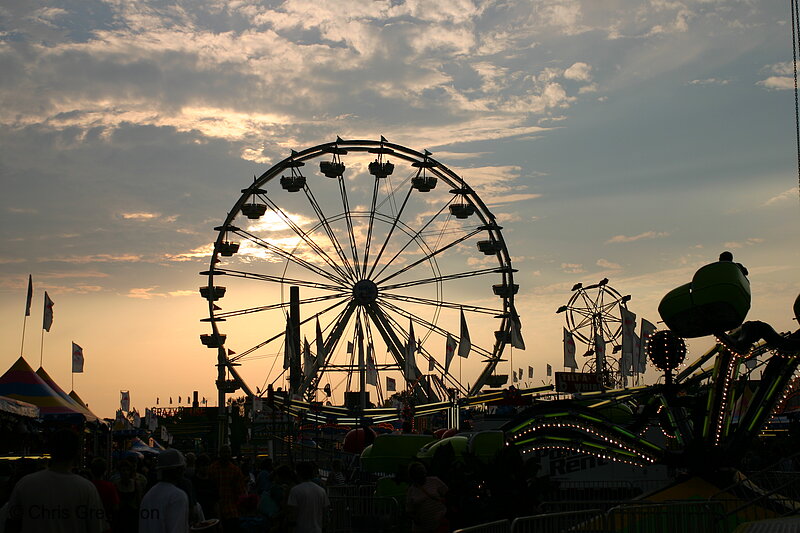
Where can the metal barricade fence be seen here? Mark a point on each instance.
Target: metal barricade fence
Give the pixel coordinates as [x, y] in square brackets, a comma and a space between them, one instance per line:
[649, 517]
[583, 521]
[500, 526]
[628, 517]
[355, 509]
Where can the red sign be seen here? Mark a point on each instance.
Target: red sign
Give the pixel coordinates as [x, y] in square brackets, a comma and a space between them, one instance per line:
[577, 382]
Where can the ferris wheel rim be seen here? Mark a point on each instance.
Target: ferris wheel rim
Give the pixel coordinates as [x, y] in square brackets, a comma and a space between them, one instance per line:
[408, 155]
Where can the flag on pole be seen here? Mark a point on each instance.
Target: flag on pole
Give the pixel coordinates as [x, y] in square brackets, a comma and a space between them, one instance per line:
[569, 350]
[372, 371]
[30, 296]
[516, 333]
[391, 385]
[549, 370]
[599, 345]
[77, 358]
[449, 351]
[320, 347]
[464, 344]
[125, 400]
[411, 348]
[47, 321]
[628, 333]
[514, 375]
[637, 354]
[530, 372]
[308, 359]
[520, 374]
[646, 330]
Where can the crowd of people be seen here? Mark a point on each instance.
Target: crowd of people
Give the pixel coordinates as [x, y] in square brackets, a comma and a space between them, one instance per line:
[176, 493]
[169, 493]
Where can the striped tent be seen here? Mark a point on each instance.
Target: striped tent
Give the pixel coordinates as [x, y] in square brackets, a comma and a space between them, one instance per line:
[90, 416]
[22, 383]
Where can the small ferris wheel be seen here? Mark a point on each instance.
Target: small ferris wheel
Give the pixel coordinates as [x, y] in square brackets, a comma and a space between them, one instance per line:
[594, 316]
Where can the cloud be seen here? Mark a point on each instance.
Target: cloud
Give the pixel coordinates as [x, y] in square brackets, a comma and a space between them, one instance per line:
[140, 216]
[777, 83]
[639, 237]
[710, 81]
[143, 293]
[22, 210]
[579, 71]
[782, 78]
[749, 242]
[572, 268]
[785, 196]
[604, 263]
[182, 293]
[96, 258]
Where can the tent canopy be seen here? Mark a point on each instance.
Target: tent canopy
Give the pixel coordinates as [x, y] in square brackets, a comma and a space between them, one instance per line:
[90, 416]
[20, 382]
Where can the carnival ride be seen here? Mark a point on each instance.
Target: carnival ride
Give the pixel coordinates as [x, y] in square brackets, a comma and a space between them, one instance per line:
[697, 410]
[378, 250]
[594, 316]
[369, 260]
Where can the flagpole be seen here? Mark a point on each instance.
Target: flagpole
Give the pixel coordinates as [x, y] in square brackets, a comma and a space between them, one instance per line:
[41, 350]
[22, 346]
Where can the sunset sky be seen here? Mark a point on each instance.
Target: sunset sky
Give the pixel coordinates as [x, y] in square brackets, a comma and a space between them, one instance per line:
[633, 140]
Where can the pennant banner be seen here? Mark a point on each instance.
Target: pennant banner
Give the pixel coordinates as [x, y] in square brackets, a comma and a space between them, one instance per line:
[549, 370]
[47, 320]
[628, 332]
[516, 334]
[464, 344]
[125, 400]
[449, 351]
[320, 345]
[30, 296]
[372, 370]
[569, 350]
[530, 372]
[77, 359]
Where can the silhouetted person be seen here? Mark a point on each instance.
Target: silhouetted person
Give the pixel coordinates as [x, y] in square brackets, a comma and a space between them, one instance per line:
[727, 256]
[165, 507]
[308, 502]
[55, 499]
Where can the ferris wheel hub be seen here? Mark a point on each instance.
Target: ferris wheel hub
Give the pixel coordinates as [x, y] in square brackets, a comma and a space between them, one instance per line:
[365, 292]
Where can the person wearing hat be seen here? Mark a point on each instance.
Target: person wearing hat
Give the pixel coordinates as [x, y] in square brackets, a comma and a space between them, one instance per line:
[165, 507]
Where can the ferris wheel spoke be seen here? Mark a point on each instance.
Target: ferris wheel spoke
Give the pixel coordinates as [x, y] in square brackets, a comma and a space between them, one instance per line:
[583, 312]
[371, 222]
[430, 255]
[282, 305]
[282, 332]
[349, 221]
[587, 321]
[394, 344]
[440, 303]
[448, 277]
[411, 240]
[289, 256]
[325, 223]
[277, 279]
[426, 324]
[304, 236]
[395, 220]
[311, 381]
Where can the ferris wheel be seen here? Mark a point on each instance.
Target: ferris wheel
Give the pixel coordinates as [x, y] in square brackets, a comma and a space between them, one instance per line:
[594, 316]
[353, 260]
